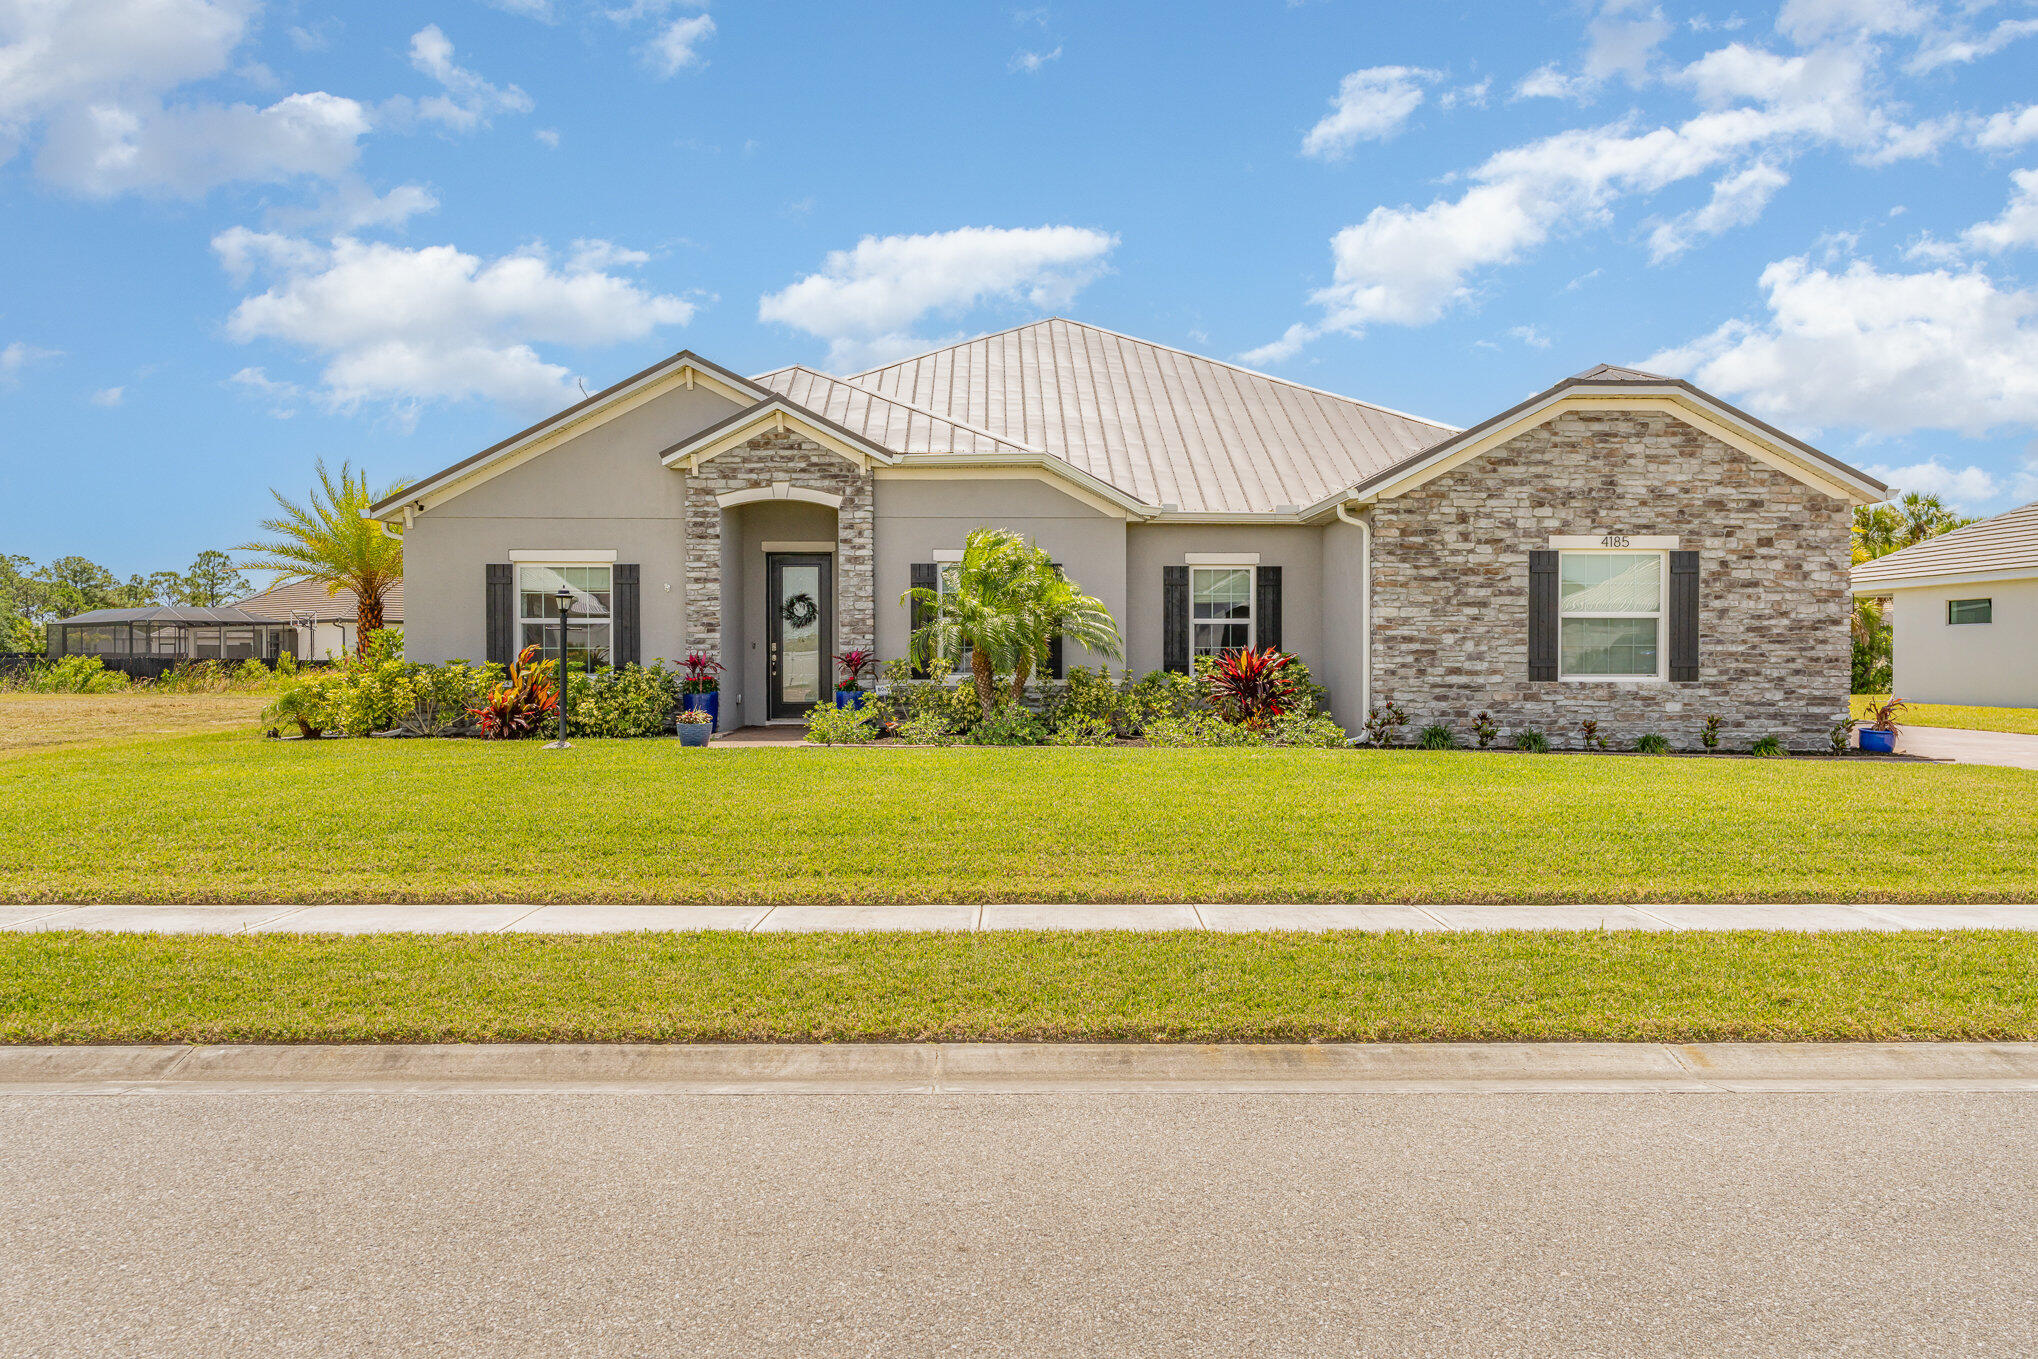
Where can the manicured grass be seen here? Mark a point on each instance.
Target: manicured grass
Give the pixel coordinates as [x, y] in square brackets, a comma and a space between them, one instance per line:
[2024, 720]
[235, 818]
[86, 988]
[39, 721]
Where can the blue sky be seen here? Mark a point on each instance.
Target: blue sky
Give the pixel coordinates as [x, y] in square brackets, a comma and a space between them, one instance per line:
[243, 236]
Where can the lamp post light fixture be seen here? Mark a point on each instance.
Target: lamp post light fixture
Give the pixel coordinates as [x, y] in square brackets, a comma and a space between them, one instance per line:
[565, 598]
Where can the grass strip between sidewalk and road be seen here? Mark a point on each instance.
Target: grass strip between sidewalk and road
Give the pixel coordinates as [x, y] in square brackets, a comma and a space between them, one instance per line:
[76, 987]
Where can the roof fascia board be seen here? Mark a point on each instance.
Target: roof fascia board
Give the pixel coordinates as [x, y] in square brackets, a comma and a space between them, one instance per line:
[684, 369]
[1672, 399]
[781, 414]
[1099, 495]
[1926, 581]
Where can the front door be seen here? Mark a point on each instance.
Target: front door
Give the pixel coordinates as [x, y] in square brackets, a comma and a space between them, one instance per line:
[799, 591]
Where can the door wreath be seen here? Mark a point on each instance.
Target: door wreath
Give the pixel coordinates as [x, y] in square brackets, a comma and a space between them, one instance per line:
[801, 610]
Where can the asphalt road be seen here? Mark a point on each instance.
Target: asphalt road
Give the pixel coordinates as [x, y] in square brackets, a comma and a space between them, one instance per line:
[246, 1223]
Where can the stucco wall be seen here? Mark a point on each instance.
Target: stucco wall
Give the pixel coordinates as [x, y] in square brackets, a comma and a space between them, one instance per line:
[1450, 584]
[1993, 664]
[604, 489]
[916, 518]
[1298, 551]
[1339, 663]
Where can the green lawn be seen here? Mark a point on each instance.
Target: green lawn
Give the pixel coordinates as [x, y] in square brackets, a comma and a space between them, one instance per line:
[227, 818]
[2023, 720]
[704, 987]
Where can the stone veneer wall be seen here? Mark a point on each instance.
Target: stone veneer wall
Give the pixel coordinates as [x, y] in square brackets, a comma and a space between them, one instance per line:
[1450, 584]
[800, 462]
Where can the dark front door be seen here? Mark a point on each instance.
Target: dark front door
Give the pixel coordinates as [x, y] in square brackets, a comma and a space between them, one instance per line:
[799, 591]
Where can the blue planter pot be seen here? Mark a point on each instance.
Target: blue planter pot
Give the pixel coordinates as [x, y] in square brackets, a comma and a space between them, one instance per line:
[849, 698]
[1881, 742]
[710, 703]
[693, 734]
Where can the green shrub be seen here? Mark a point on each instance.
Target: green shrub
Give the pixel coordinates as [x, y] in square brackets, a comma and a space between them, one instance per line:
[1080, 731]
[1010, 727]
[1199, 729]
[1384, 724]
[68, 675]
[1768, 747]
[1161, 696]
[630, 700]
[1709, 732]
[1310, 699]
[1437, 736]
[831, 726]
[437, 700]
[1483, 728]
[1091, 697]
[1302, 730]
[1529, 739]
[1840, 735]
[930, 729]
[1652, 743]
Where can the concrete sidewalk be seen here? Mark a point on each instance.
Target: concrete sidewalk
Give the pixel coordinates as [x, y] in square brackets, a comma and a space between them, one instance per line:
[599, 919]
[1023, 1068]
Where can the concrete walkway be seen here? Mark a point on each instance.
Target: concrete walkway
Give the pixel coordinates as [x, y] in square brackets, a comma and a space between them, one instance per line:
[600, 919]
[2010, 749]
[1023, 1068]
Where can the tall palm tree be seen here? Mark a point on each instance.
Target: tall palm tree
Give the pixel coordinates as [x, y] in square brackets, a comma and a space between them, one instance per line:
[331, 539]
[1004, 605]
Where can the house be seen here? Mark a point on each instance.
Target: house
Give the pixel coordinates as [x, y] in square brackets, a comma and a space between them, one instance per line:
[1963, 614]
[1621, 547]
[327, 624]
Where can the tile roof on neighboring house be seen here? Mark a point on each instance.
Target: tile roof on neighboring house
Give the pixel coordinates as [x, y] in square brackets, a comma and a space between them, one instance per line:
[2006, 544]
[1171, 428]
[298, 597]
[898, 425]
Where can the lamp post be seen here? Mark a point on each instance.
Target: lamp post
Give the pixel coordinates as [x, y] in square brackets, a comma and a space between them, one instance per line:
[565, 598]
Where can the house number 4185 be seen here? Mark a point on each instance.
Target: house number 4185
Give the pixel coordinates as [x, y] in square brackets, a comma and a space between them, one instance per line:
[1614, 540]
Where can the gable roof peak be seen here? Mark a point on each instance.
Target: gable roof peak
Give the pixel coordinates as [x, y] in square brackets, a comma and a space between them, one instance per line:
[1614, 372]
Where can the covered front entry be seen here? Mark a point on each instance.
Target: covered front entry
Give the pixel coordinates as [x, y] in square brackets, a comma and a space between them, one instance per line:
[799, 601]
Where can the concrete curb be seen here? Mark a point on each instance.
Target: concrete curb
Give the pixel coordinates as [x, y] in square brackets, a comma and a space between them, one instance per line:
[1023, 1068]
[596, 918]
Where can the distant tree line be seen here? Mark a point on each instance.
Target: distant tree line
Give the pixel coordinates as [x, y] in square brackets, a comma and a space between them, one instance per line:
[1878, 531]
[32, 595]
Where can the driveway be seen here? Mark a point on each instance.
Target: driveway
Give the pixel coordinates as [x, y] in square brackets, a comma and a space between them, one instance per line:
[1970, 747]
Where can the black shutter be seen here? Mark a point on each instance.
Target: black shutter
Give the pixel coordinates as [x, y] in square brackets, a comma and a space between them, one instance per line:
[926, 576]
[624, 611]
[1267, 605]
[1542, 638]
[1054, 661]
[1175, 619]
[1684, 617]
[501, 600]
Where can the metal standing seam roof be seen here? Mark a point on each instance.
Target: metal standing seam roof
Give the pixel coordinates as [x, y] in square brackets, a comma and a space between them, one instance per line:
[309, 596]
[897, 425]
[1168, 427]
[2008, 542]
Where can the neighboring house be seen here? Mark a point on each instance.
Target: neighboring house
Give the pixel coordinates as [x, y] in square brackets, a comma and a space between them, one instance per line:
[328, 625]
[1621, 547]
[1964, 613]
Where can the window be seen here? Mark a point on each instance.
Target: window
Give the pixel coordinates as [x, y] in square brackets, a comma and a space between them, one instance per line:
[1970, 610]
[944, 584]
[1610, 606]
[587, 642]
[1220, 609]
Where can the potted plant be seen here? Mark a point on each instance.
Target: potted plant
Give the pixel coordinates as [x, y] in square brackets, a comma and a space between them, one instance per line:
[849, 689]
[1880, 733]
[695, 725]
[699, 690]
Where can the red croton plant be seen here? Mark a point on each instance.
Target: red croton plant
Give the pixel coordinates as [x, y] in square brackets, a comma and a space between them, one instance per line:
[517, 707]
[854, 665]
[1253, 685]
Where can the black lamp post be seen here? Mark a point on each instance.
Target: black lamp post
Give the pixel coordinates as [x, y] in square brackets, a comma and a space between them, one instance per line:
[565, 598]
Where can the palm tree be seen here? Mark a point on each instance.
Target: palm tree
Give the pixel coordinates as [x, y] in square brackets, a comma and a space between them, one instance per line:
[1004, 605]
[332, 540]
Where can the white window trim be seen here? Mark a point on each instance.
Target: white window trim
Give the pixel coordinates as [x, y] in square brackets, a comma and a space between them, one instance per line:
[947, 555]
[586, 558]
[563, 556]
[815, 548]
[1662, 614]
[944, 558]
[1953, 622]
[1221, 558]
[1252, 597]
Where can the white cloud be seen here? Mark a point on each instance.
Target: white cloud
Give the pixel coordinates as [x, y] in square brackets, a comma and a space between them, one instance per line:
[17, 356]
[1964, 487]
[109, 396]
[1813, 21]
[1620, 40]
[2009, 129]
[588, 254]
[1029, 63]
[1737, 200]
[1275, 351]
[865, 301]
[1370, 105]
[1532, 336]
[541, 10]
[469, 100]
[1955, 49]
[1888, 352]
[1472, 96]
[1548, 82]
[184, 151]
[352, 205]
[434, 323]
[282, 398]
[2018, 224]
[548, 137]
[676, 46]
